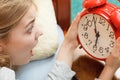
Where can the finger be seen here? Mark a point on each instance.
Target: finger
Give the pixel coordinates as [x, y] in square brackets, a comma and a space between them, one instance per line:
[76, 20]
[74, 24]
[116, 49]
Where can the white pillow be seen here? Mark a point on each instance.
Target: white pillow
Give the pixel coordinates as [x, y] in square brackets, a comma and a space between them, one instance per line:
[48, 42]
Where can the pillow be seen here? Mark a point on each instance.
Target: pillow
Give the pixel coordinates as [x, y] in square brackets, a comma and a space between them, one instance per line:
[46, 20]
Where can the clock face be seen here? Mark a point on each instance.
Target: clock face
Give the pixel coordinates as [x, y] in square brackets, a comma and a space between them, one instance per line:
[96, 35]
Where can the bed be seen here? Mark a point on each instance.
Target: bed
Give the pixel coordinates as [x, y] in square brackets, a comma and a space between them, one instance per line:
[63, 19]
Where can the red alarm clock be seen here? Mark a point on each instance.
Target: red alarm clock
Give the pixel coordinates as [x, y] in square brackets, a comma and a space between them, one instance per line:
[99, 27]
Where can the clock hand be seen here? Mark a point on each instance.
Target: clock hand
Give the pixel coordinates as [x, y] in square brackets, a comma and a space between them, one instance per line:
[94, 20]
[96, 32]
[97, 36]
[95, 29]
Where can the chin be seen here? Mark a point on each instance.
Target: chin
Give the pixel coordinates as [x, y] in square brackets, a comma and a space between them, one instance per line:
[26, 62]
[22, 63]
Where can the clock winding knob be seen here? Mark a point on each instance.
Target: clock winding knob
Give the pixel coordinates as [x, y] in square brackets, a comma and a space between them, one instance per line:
[93, 3]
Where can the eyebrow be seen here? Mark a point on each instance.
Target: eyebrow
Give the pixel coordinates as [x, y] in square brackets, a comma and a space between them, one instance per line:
[31, 21]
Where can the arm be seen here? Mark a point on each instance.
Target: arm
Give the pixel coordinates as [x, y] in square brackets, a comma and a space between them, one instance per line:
[62, 67]
[69, 44]
[112, 62]
[107, 73]
[6, 74]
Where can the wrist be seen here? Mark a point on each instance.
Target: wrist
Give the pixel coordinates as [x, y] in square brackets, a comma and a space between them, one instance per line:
[72, 45]
[111, 65]
[107, 73]
[66, 53]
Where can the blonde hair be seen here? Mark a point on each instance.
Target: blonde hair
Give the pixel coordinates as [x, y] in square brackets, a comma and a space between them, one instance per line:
[11, 12]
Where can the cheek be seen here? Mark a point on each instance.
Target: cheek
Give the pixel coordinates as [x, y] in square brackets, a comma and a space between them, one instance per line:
[19, 50]
[21, 45]
[20, 54]
[20, 58]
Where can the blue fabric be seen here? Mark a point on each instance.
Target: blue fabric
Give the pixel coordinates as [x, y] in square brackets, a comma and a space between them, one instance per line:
[37, 70]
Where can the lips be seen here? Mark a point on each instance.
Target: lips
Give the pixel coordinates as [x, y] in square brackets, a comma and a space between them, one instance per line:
[31, 53]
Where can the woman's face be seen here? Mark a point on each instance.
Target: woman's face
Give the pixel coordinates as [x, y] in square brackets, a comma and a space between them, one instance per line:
[23, 38]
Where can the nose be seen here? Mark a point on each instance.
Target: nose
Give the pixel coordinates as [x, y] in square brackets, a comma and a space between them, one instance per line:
[38, 33]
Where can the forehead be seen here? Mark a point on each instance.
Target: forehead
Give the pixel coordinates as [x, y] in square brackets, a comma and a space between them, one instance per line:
[31, 13]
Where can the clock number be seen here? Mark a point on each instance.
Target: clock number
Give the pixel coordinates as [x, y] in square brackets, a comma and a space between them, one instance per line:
[107, 49]
[87, 24]
[85, 27]
[86, 35]
[101, 50]
[111, 44]
[108, 27]
[90, 42]
[94, 48]
[111, 35]
[102, 21]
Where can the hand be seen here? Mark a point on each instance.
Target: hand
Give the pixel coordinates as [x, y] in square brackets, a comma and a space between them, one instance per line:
[70, 43]
[112, 63]
[72, 35]
[113, 60]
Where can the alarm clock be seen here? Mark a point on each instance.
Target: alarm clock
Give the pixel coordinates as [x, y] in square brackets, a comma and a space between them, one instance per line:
[98, 28]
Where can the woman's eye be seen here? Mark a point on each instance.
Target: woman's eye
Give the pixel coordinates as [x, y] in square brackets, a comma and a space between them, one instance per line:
[30, 29]
[30, 26]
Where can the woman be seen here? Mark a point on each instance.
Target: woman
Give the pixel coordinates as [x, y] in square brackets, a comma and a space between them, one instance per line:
[19, 35]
